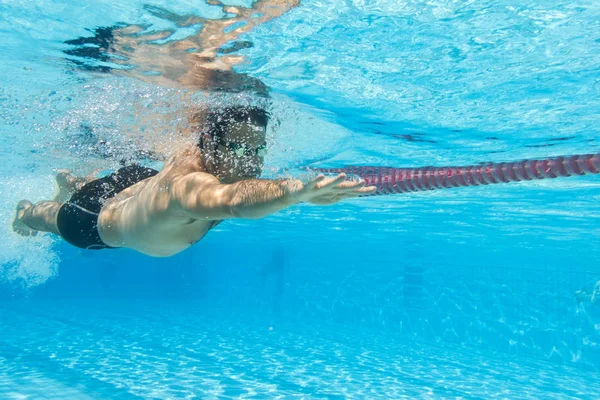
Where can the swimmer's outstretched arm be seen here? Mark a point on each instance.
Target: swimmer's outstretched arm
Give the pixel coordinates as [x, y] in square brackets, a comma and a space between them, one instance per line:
[203, 197]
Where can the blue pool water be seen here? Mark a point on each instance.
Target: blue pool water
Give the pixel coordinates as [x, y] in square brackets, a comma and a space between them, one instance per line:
[466, 293]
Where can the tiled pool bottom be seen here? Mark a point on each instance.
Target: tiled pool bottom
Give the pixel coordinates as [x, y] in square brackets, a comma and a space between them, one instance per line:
[70, 350]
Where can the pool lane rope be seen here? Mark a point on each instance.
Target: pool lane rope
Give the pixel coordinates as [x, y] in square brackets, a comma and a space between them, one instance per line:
[404, 180]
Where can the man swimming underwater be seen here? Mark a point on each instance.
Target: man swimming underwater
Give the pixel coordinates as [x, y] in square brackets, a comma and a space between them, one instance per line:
[163, 213]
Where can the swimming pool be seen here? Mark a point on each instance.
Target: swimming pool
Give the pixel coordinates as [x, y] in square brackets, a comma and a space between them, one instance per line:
[478, 292]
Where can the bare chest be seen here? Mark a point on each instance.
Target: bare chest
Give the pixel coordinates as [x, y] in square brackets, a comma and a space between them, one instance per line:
[194, 230]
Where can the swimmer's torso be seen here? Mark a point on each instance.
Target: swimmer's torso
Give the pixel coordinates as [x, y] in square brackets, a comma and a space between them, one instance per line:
[147, 218]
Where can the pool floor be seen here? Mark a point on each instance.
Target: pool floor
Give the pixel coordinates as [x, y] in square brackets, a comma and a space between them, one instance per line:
[178, 350]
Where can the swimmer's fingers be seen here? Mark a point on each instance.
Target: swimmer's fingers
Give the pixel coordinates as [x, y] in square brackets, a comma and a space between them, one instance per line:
[331, 182]
[314, 182]
[366, 190]
[350, 186]
[356, 187]
[322, 190]
[349, 194]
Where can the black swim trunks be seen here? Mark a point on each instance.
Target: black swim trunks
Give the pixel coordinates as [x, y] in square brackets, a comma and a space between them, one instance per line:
[77, 219]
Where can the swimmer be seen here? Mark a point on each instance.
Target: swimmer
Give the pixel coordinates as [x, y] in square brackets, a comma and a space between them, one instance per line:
[161, 213]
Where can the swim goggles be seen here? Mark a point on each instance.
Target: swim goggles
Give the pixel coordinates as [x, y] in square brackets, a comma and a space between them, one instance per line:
[241, 149]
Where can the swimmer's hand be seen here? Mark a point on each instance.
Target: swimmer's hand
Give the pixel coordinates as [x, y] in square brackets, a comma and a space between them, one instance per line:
[322, 190]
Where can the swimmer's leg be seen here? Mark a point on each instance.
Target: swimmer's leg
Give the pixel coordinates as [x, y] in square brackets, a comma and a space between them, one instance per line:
[30, 218]
[69, 184]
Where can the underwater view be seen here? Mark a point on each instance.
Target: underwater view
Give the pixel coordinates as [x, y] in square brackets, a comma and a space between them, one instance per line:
[273, 199]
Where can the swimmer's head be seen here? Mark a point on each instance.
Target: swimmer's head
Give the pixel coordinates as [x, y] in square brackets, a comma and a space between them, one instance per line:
[233, 142]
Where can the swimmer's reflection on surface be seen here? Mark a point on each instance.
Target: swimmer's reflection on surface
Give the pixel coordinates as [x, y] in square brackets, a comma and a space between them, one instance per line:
[203, 61]
[200, 63]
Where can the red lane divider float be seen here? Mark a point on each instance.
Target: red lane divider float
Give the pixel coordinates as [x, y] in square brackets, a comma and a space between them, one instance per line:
[402, 180]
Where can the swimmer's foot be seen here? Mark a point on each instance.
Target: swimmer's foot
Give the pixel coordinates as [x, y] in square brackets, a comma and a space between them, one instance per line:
[64, 180]
[18, 224]
[69, 184]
